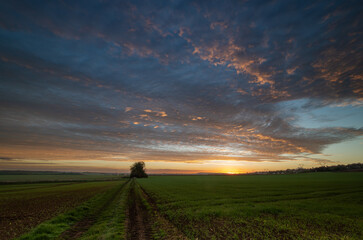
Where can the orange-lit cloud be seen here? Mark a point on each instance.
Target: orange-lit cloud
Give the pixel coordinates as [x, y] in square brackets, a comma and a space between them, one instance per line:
[196, 86]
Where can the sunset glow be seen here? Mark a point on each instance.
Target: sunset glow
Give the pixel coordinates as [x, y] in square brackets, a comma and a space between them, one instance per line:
[232, 173]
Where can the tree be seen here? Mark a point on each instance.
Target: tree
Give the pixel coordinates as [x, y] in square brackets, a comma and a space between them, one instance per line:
[138, 170]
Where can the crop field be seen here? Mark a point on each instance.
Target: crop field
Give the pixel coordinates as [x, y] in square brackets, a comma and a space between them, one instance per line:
[23, 206]
[300, 206]
[56, 178]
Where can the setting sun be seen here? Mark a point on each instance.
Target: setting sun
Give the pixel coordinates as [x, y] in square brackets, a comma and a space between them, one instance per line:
[232, 173]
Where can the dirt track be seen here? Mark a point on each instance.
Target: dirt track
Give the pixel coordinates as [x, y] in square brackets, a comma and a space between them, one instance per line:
[142, 220]
[138, 224]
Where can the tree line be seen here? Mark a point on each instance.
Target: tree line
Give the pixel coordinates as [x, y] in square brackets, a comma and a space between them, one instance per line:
[354, 167]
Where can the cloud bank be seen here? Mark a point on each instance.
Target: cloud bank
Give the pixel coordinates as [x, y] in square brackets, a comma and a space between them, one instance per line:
[185, 81]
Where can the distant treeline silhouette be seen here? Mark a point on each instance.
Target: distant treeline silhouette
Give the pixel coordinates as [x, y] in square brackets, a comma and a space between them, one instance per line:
[340, 168]
[354, 167]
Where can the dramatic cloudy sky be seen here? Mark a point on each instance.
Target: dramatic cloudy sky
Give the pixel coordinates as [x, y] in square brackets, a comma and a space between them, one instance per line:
[186, 86]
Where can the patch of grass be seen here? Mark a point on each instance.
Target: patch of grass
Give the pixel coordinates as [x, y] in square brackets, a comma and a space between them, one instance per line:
[301, 206]
[111, 223]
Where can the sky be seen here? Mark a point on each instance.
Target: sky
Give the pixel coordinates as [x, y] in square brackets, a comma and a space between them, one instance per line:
[185, 86]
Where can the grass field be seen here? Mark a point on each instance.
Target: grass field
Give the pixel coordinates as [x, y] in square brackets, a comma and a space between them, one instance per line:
[300, 206]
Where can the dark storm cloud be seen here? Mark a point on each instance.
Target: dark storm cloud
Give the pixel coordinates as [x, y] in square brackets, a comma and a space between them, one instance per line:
[178, 81]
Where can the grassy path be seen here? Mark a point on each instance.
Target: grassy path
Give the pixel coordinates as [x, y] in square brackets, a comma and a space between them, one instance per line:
[81, 227]
[110, 223]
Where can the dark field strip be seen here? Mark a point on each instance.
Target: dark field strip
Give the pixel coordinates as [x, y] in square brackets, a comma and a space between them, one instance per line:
[22, 207]
[302, 206]
[51, 178]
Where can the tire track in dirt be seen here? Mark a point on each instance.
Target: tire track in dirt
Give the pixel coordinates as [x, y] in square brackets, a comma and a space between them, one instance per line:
[82, 226]
[138, 223]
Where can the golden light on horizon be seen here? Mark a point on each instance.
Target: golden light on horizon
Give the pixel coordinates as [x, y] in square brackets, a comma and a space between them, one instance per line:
[232, 173]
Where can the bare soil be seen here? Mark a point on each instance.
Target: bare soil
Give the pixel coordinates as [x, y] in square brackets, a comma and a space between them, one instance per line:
[138, 223]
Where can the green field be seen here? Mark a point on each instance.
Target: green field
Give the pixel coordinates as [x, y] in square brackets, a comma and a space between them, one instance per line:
[299, 206]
